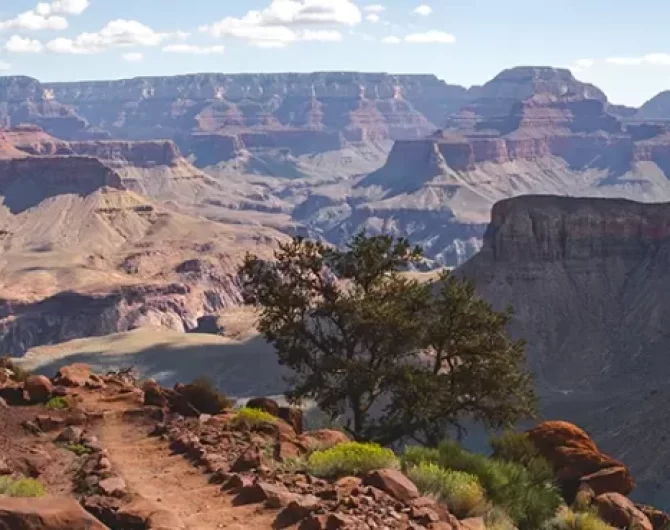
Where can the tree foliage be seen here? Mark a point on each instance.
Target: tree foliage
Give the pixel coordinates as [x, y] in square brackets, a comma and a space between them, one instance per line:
[399, 358]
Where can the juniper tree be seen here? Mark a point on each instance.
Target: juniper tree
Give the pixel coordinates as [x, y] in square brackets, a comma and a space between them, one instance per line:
[398, 357]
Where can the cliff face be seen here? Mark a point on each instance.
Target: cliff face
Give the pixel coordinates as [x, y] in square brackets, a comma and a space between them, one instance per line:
[354, 105]
[586, 278]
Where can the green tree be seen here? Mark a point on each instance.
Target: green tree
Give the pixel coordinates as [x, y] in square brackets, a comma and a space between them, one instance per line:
[397, 357]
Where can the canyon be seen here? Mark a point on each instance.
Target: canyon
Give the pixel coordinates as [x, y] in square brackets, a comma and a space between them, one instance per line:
[586, 278]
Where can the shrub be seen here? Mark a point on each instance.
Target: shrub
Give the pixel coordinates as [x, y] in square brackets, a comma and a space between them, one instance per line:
[517, 447]
[253, 417]
[514, 447]
[21, 487]
[78, 449]
[566, 519]
[57, 403]
[350, 458]
[204, 396]
[528, 498]
[497, 519]
[460, 491]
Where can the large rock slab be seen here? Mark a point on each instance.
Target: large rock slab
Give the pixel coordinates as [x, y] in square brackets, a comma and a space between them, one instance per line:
[47, 513]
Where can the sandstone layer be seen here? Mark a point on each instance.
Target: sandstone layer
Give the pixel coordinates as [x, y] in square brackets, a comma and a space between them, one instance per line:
[586, 278]
[87, 249]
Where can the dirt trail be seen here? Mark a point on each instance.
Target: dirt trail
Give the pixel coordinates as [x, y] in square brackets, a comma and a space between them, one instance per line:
[151, 471]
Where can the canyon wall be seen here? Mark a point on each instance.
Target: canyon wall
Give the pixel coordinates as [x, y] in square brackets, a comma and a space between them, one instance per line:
[586, 278]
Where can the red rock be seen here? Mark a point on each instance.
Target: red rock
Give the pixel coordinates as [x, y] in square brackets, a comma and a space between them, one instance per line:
[4, 467]
[266, 404]
[70, 435]
[615, 478]
[292, 416]
[323, 439]
[50, 423]
[74, 375]
[574, 455]
[659, 520]
[620, 512]
[38, 389]
[113, 486]
[393, 482]
[250, 459]
[45, 513]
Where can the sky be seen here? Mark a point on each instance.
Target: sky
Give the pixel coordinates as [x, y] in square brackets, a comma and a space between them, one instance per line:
[623, 47]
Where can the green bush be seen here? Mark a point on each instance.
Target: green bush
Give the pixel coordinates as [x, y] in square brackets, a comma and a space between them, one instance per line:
[252, 417]
[204, 396]
[21, 487]
[460, 491]
[497, 519]
[566, 519]
[78, 449]
[514, 447]
[529, 499]
[517, 447]
[57, 403]
[350, 458]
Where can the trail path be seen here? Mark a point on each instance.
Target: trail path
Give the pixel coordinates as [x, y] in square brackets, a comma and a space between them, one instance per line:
[170, 481]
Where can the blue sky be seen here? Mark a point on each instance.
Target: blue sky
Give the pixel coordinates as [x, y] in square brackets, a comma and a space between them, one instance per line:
[621, 46]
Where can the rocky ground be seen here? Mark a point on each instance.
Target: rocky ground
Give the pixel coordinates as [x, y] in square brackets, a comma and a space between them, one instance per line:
[125, 456]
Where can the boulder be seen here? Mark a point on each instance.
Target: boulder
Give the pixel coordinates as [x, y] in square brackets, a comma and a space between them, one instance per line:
[615, 478]
[393, 482]
[70, 435]
[250, 459]
[323, 439]
[113, 486]
[153, 394]
[266, 404]
[293, 417]
[142, 513]
[74, 375]
[659, 520]
[49, 423]
[576, 458]
[38, 389]
[46, 513]
[620, 512]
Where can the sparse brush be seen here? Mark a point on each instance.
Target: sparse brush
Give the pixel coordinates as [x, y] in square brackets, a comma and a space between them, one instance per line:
[460, 491]
[567, 519]
[204, 396]
[21, 487]
[497, 519]
[58, 403]
[514, 447]
[251, 417]
[78, 449]
[19, 374]
[527, 495]
[350, 459]
[292, 465]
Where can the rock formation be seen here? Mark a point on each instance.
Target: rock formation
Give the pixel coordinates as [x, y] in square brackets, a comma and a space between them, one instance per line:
[586, 278]
[84, 254]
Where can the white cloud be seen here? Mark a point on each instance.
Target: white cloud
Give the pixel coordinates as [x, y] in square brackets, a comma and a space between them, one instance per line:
[391, 40]
[374, 8]
[439, 37]
[62, 7]
[372, 17]
[424, 10]
[17, 44]
[324, 35]
[30, 20]
[4, 65]
[116, 33]
[46, 16]
[656, 59]
[194, 50]
[278, 24]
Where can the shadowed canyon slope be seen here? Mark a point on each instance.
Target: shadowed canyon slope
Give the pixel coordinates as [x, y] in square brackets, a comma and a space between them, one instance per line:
[587, 279]
[83, 254]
